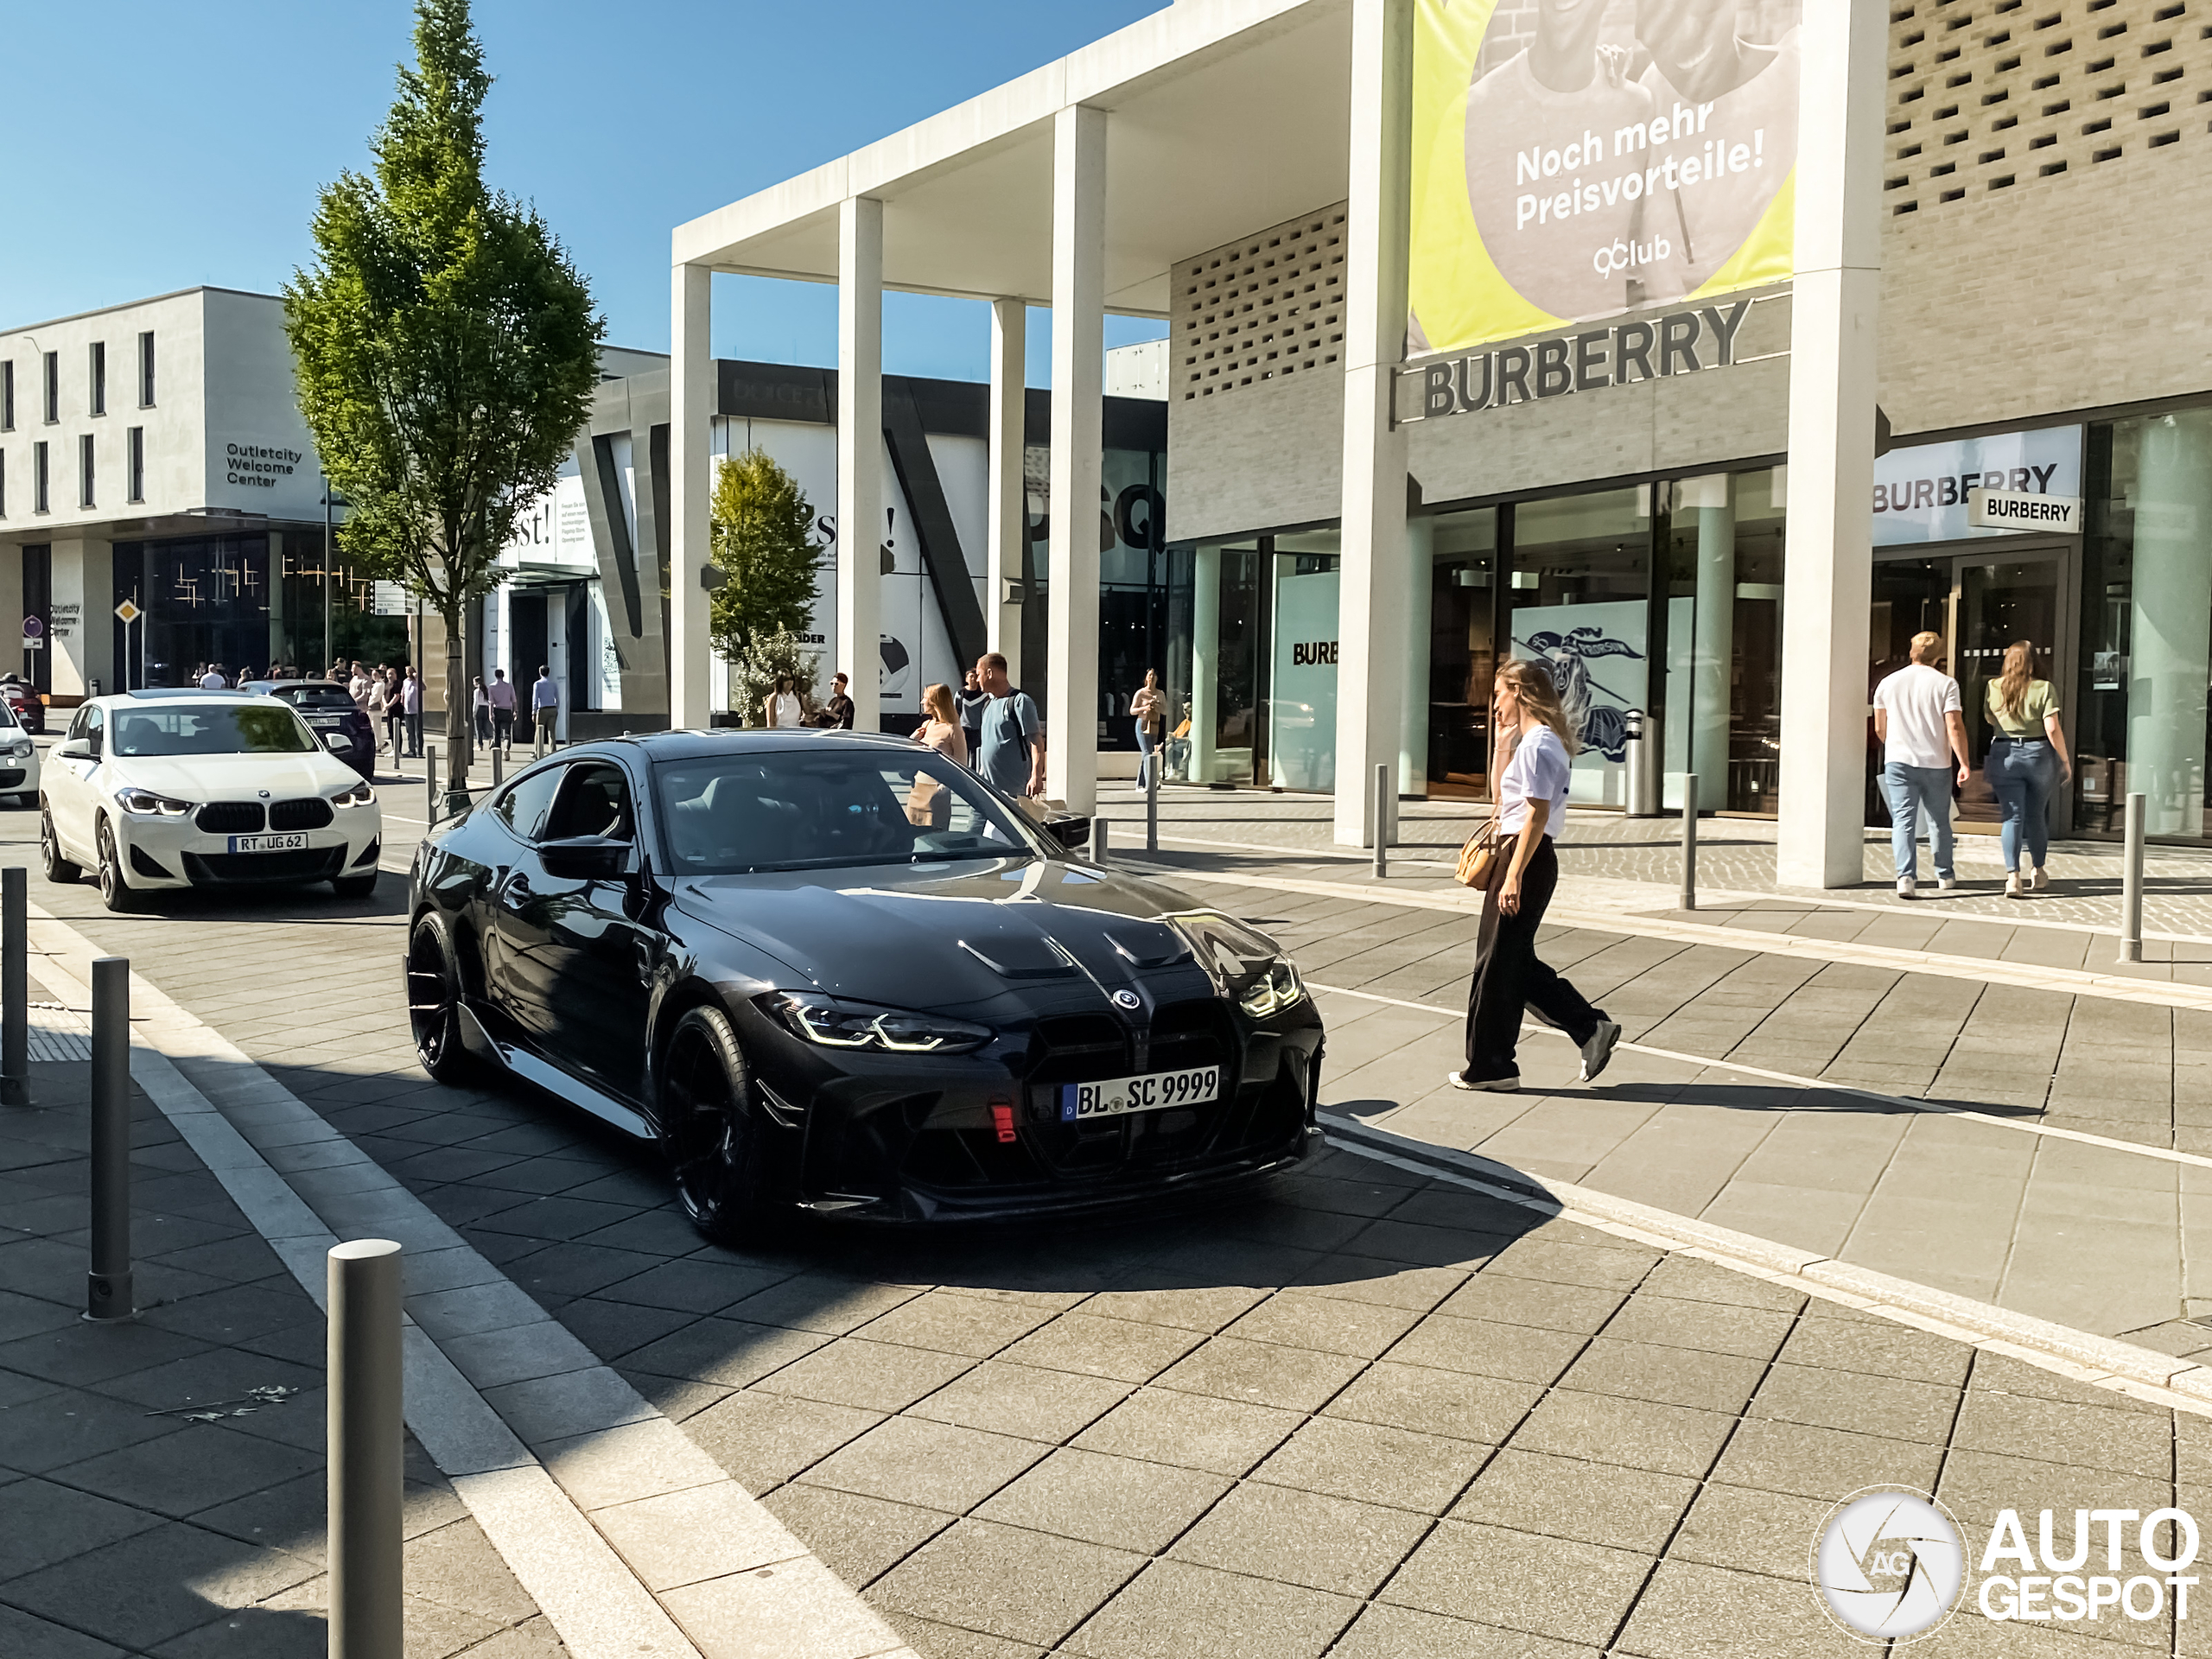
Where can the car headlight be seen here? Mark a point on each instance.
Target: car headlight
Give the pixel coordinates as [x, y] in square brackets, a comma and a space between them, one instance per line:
[360, 795]
[1273, 989]
[835, 1024]
[144, 803]
[20, 748]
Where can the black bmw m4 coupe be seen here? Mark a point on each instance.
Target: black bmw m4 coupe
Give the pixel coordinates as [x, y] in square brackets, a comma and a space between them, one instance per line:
[836, 972]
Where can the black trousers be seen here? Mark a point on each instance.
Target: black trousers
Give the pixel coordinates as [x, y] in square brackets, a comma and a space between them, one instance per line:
[1509, 977]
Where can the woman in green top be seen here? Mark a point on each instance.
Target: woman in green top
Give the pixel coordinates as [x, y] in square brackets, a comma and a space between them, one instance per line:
[2027, 760]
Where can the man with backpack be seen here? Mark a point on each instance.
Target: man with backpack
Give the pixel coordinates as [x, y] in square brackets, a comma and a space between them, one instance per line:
[1012, 754]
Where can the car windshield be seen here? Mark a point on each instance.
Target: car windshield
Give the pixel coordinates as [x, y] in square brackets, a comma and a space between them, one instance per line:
[313, 696]
[223, 729]
[820, 807]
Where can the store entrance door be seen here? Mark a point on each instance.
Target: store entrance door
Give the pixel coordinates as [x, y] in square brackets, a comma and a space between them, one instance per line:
[1980, 602]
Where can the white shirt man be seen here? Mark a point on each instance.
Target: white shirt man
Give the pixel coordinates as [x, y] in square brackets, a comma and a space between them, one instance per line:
[212, 680]
[1922, 728]
[544, 709]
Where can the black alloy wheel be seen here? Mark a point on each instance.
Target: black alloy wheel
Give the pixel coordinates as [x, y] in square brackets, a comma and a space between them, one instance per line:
[57, 867]
[115, 892]
[708, 1127]
[434, 1005]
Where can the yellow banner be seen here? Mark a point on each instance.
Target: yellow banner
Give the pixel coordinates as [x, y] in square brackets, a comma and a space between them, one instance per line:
[1577, 159]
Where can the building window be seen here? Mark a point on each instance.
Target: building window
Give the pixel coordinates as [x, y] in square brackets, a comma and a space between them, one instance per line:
[7, 396]
[85, 470]
[135, 462]
[53, 370]
[38, 479]
[99, 376]
[146, 370]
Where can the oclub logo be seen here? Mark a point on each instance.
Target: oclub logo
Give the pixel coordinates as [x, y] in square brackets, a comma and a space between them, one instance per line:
[1888, 1564]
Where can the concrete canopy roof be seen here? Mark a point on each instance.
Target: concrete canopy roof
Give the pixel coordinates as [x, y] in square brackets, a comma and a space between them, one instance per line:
[1225, 116]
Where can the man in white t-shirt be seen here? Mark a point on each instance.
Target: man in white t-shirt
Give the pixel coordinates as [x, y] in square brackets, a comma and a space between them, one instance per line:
[1923, 729]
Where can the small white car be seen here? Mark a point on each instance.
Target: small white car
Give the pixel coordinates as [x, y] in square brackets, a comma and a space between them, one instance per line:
[167, 790]
[18, 759]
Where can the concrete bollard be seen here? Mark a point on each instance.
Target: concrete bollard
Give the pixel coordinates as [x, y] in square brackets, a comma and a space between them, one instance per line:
[107, 1286]
[430, 783]
[1097, 839]
[498, 759]
[14, 989]
[364, 1451]
[1385, 798]
[1153, 764]
[2131, 883]
[1689, 840]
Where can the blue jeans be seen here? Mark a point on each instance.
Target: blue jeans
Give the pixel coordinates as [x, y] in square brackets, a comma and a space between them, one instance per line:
[2020, 771]
[1145, 747]
[1914, 791]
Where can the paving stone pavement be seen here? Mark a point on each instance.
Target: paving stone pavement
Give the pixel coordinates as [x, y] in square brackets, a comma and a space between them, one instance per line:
[1368, 1414]
[136, 1522]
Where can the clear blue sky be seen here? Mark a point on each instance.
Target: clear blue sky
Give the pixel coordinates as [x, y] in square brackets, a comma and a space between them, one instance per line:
[155, 146]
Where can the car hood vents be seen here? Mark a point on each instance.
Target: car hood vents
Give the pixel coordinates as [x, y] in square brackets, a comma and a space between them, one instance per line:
[1010, 956]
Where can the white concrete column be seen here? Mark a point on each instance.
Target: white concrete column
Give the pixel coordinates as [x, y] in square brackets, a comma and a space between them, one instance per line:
[1413, 705]
[1079, 389]
[1205, 658]
[83, 638]
[1371, 615]
[2171, 620]
[1006, 537]
[1828, 568]
[690, 487]
[858, 648]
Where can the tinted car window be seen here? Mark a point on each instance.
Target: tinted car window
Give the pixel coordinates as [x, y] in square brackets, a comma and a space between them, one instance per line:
[220, 730]
[313, 697]
[816, 809]
[594, 801]
[522, 806]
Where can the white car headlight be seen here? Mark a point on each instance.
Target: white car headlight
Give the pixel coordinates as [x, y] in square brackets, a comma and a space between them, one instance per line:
[144, 803]
[1272, 990]
[360, 795]
[20, 748]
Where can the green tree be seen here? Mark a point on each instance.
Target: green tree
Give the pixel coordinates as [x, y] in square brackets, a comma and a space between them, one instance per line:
[765, 658]
[764, 543]
[446, 348]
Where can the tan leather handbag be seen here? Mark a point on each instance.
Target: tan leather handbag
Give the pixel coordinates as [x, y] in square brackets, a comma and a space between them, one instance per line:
[1479, 856]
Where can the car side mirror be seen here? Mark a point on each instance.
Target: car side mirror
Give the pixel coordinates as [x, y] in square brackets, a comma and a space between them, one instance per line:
[75, 749]
[585, 858]
[336, 741]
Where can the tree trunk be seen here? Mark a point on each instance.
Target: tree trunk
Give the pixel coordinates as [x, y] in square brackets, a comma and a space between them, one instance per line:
[458, 712]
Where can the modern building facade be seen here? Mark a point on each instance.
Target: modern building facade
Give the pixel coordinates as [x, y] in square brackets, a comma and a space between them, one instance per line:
[1725, 513]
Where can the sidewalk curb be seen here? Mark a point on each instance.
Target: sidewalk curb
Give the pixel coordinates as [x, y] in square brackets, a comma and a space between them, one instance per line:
[2056, 1347]
[612, 1492]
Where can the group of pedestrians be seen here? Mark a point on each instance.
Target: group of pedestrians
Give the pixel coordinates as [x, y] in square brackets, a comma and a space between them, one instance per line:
[494, 710]
[392, 699]
[1920, 720]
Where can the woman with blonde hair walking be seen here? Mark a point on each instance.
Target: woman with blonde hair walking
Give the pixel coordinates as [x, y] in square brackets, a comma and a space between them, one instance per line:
[1536, 746]
[2027, 760]
[929, 802]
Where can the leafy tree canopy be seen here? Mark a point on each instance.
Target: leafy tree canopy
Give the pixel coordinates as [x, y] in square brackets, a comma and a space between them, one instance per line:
[764, 541]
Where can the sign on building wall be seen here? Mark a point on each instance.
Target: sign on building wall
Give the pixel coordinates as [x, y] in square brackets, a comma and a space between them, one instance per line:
[1574, 162]
[1926, 492]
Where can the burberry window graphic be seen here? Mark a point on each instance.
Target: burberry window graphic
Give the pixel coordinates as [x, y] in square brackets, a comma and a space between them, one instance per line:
[1601, 726]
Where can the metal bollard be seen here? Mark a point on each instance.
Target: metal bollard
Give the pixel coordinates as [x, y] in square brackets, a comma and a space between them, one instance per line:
[496, 770]
[1097, 839]
[1636, 786]
[430, 783]
[2130, 884]
[1689, 840]
[14, 989]
[366, 1452]
[1153, 764]
[107, 1286]
[1385, 798]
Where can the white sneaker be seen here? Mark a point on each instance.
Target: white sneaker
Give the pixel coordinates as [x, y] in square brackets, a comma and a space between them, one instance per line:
[1907, 887]
[1946, 883]
[1600, 1049]
[2013, 886]
[2041, 879]
[1494, 1085]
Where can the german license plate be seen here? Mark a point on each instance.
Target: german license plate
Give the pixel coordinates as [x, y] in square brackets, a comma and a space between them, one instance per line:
[293, 843]
[1148, 1094]
[326, 722]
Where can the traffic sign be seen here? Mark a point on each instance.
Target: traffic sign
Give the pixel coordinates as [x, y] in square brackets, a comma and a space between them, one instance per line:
[34, 626]
[128, 613]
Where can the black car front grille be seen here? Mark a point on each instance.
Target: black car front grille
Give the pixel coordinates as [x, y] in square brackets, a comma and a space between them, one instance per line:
[246, 869]
[230, 817]
[311, 814]
[10, 776]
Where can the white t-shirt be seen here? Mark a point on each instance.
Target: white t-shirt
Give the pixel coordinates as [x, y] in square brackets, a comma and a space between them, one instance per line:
[1539, 771]
[211, 681]
[1916, 698]
[788, 711]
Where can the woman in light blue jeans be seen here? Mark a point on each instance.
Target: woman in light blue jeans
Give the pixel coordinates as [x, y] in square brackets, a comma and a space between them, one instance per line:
[2027, 760]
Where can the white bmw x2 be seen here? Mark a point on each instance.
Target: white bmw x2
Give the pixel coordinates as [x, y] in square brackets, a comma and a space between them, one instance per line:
[166, 790]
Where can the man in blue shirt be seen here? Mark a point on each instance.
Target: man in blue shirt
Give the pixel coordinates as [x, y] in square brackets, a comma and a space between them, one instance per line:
[1013, 753]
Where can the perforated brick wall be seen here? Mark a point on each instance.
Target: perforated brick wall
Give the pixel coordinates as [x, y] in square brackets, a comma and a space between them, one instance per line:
[1261, 309]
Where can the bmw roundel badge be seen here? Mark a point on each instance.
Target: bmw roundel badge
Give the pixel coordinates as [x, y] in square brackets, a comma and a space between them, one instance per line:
[1127, 1000]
